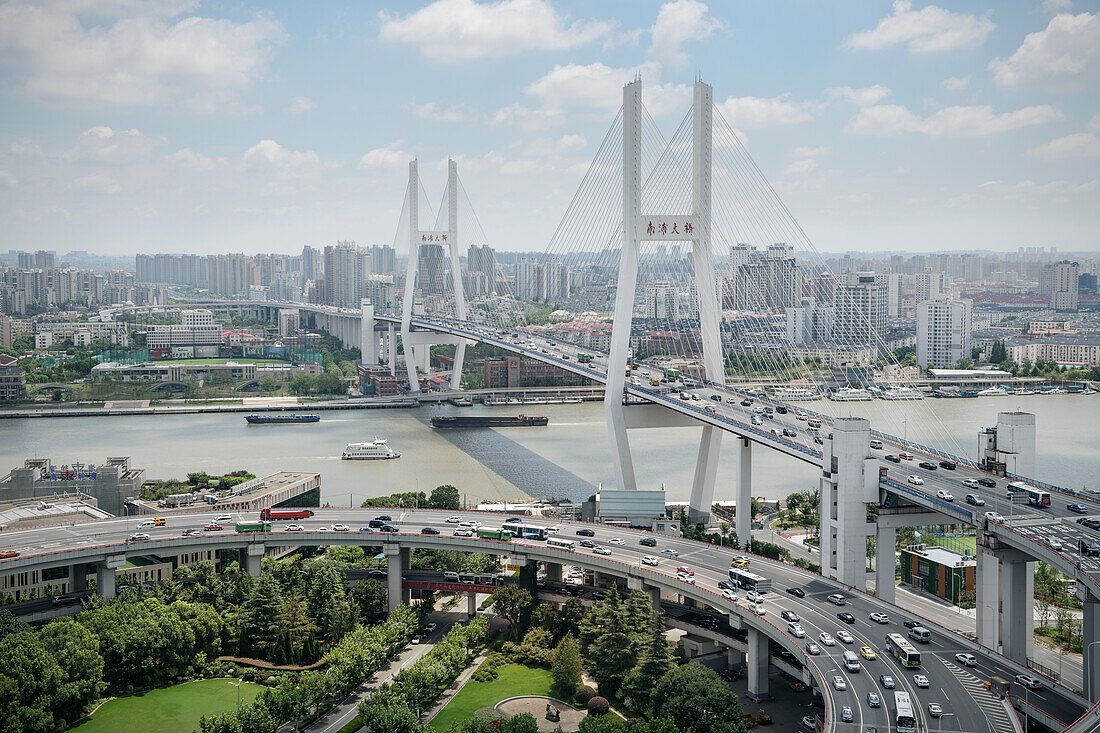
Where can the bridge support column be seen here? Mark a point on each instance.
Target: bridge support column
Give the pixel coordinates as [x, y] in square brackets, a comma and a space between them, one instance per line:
[396, 563]
[849, 481]
[987, 579]
[553, 572]
[654, 598]
[368, 338]
[456, 368]
[1090, 634]
[253, 559]
[885, 544]
[734, 658]
[105, 576]
[1017, 609]
[391, 349]
[743, 520]
[758, 665]
[471, 605]
[78, 578]
[706, 468]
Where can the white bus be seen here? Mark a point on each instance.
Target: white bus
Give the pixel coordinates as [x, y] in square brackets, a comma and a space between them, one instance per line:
[903, 651]
[750, 581]
[530, 531]
[1035, 497]
[905, 721]
[561, 544]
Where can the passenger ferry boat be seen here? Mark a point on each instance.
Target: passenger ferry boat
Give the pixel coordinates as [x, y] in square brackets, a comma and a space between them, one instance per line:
[796, 394]
[902, 393]
[376, 450]
[992, 392]
[850, 394]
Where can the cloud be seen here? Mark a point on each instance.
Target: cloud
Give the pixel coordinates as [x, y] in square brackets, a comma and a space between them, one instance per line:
[598, 86]
[547, 146]
[1057, 6]
[931, 29]
[810, 152]
[1094, 123]
[1066, 50]
[949, 122]
[800, 166]
[1078, 145]
[391, 157]
[189, 160]
[271, 158]
[463, 30]
[677, 23]
[955, 83]
[104, 145]
[1026, 188]
[99, 183]
[300, 104]
[528, 118]
[750, 112]
[138, 59]
[859, 97]
[7, 179]
[434, 111]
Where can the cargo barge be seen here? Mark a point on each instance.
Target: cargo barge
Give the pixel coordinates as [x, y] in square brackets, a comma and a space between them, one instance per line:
[490, 421]
[280, 419]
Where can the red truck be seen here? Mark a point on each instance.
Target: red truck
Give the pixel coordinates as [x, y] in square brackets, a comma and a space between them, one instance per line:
[272, 514]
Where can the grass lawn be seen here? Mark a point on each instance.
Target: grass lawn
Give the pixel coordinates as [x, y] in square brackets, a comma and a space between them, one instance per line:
[962, 545]
[514, 679]
[170, 710]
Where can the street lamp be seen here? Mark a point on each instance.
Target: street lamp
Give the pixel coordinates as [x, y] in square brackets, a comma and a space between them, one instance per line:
[939, 721]
[237, 684]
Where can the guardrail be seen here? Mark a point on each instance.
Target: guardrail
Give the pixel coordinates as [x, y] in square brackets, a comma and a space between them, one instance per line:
[1042, 550]
[940, 504]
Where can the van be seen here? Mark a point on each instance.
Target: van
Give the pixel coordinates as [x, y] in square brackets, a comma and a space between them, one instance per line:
[450, 576]
[159, 522]
[876, 444]
[851, 662]
[813, 423]
[1087, 548]
[920, 634]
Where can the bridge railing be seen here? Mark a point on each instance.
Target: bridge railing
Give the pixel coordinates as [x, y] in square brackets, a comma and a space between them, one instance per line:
[946, 507]
[1039, 549]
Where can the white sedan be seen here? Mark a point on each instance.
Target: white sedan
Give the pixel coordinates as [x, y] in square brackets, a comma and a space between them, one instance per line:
[880, 618]
[650, 560]
[945, 495]
[339, 528]
[454, 520]
[294, 528]
[920, 680]
[601, 550]
[915, 480]
[826, 639]
[729, 594]
[845, 637]
[994, 517]
[796, 630]
[616, 541]
[839, 683]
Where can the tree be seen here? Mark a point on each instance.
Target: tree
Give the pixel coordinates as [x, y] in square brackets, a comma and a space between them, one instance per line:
[655, 663]
[370, 596]
[445, 497]
[511, 603]
[328, 604]
[301, 384]
[566, 668]
[30, 680]
[260, 619]
[698, 700]
[610, 647]
[329, 383]
[268, 383]
[572, 614]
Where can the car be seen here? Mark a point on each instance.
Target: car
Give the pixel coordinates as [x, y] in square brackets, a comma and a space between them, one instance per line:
[725, 585]
[934, 709]
[689, 579]
[454, 520]
[1054, 544]
[808, 723]
[426, 530]
[463, 532]
[758, 609]
[294, 528]
[975, 500]
[746, 402]
[892, 458]
[780, 409]
[846, 617]
[818, 440]
[797, 686]
[845, 637]
[192, 533]
[344, 528]
[948, 465]
[587, 543]
[970, 483]
[920, 680]
[876, 444]
[826, 639]
[372, 529]
[790, 433]
[846, 715]
[694, 396]
[684, 396]
[213, 527]
[138, 537]
[471, 525]
[867, 653]
[802, 416]
[839, 683]
[378, 524]
[796, 630]
[945, 495]
[915, 480]
[1089, 522]
[837, 599]
[812, 648]
[617, 541]
[512, 520]
[927, 465]
[647, 542]
[994, 517]
[385, 517]
[148, 523]
[1077, 508]
[791, 616]
[797, 592]
[757, 420]
[873, 700]
[415, 640]
[968, 660]
[879, 618]
[988, 483]
[601, 550]
[716, 397]
[910, 624]
[650, 560]
[685, 570]
[906, 456]
[755, 597]
[429, 627]
[710, 408]
[729, 594]
[887, 681]
[9, 554]
[383, 528]
[223, 518]
[585, 532]
[324, 528]
[670, 552]
[1028, 681]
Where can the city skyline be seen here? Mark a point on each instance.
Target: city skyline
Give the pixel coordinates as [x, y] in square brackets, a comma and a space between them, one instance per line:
[915, 127]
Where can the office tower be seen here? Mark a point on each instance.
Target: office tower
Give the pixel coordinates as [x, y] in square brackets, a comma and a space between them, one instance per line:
[943, 331]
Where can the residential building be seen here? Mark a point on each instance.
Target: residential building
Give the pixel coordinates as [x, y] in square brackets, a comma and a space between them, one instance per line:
[1080, 349]
[515, 371]
[13, 383]
[1064, 285]
[859, 310]
[197, 329]
[661, 301]
[809, 323]
[944, 326]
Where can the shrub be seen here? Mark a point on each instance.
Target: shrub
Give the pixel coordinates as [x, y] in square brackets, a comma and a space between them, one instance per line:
[583, 694]
[598, 706]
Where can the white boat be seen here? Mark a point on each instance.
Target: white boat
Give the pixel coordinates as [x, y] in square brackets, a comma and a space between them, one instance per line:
[1090, 390]
[902, 393]
[850, 394]
[795, 394]
[992, 392]
[376, 450]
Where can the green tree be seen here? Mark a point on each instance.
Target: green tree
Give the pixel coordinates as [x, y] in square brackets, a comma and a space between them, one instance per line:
[328, 604]
[370, 596]
[698, 700]
[610, 648]
[30, 680]
[655, 663]
[268, 383]
[566, 668]
[329, 383]
[511, 603]
[444, 497]
[301, 384]
[260, 619]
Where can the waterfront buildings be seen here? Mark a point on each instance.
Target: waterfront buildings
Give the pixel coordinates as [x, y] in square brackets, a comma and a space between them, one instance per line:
[515, 371]
[859, 309]
[944, 326]
[1074, 349]
[109, 483]
[197, 329]
[1064, 285]
[13, 383]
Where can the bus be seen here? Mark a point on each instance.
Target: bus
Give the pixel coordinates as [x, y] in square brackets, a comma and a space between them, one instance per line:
[750, 581]
[494, 533]
[561, 544]
[584, 358]
[903, 651]
[480, 579]
[1035, 497]
[904, 720]
[672, 374]
[530, 532]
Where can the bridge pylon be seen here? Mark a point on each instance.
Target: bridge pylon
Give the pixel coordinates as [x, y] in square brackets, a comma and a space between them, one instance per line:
[693, 227]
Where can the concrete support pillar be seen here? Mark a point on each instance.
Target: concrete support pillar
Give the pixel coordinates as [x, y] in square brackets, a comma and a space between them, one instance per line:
[744, 494]
[1016, 609]
[78, 578]
[758, 665]
[849, 481]
[553, 572]
[885, 541]
[471, 605]
[987, 579]
[105, 576]
[406, 563]
[391, 349]
[706, 468]
[456, 371]
[1090, 634]
[394, 570]
[734, 658]
[369, 339]
[654, 598]
[253, 559]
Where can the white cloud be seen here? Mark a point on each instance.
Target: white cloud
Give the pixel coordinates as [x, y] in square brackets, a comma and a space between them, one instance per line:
[677, 23]
[1067, 49]
[104, 145]
[1057, 6]
[1078, 145]
[463, 30]
[1025, 188]
[810, 152]
[929, 30]
[547, 146]
[136, 60]
[434, 111]
[271, 158]
[391, 157]
[949, 122]
[300, 104]
[598, 86]
[528, 118]
[800, 166]
[97, 183]
[860, 97]
[25, 148]
[189, 160]
[750, 112]
[7, 179]
[955, 83]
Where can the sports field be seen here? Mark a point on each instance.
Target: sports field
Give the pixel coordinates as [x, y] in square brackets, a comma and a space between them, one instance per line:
[169, 710]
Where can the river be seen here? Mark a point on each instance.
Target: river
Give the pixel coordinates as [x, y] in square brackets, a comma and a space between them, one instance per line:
[567, 458]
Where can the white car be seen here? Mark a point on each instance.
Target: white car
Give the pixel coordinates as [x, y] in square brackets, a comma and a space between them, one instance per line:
[729, 594]
[757, 420]
[920, 680]
[339, 528]
[617, 541]
[454, 520]
[1028, 681]
[601, 550]
[758, 609]
[796, 630]
[970, 483]
[845, 637]
[839, 683]
[755, 597]
[223, 518]
[463, 532]
[968, 659]
[137, 537]
[945, 495]
[879, 618]
[650, 560]
[689, 579]
[148, 523]
[826, 639]
[1055, 544]
[294, 528]
[915, 480]
[322, 528]
[994, 517]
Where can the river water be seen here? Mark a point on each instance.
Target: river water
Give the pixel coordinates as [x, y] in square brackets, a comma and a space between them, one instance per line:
[567, 458]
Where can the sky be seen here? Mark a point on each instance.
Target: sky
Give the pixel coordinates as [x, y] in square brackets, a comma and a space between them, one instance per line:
[186, 126]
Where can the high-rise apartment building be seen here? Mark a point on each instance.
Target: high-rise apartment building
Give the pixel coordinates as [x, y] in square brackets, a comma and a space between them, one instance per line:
[943, 331]
[661, 302]
[859, 309]
[529, 284]
[809, 323]
[431, 275]
[1064, 285]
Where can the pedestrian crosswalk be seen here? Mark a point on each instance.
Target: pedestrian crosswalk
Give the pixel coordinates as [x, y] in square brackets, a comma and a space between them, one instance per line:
[993, 709]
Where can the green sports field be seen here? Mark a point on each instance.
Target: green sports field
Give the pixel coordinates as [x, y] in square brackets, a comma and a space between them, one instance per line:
[169, 710]
[513, 680]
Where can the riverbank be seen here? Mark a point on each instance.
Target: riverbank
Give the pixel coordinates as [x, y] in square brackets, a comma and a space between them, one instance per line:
[115, 408]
